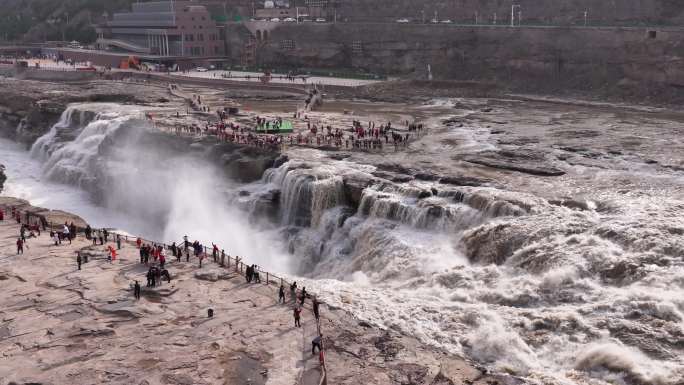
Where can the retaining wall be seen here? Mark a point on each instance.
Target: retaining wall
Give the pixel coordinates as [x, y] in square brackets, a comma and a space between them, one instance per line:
[566, 56]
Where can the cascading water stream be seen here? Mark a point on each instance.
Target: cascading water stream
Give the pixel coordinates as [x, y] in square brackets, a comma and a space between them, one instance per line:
[515, 282]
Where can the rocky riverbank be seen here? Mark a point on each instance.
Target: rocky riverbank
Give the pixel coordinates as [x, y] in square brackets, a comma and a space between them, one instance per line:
[64, 325]
[29, 108]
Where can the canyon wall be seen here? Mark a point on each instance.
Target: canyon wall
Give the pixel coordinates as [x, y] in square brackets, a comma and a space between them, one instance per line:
[558, 12]
[525, 58]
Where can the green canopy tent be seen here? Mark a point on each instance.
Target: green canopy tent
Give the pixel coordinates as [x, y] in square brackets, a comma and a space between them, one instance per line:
[270, 128]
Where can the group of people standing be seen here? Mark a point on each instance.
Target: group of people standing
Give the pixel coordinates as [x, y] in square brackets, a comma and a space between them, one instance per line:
[157, 270]
[101, 235]
[146, 251]
[155, 275]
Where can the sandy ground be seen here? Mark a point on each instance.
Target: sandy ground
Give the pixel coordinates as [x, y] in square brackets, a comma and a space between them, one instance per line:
[61, 325]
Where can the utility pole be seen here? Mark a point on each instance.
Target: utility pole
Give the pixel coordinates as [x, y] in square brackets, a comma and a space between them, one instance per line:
[586, 15]
[422, 16]
[494, 18]
[476, 17]
[513, 8]
[64, 27]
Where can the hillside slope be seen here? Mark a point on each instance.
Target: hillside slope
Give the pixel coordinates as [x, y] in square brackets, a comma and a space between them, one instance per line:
[39, 20]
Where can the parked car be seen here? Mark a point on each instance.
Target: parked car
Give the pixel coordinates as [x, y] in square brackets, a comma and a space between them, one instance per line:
[403, 21]
[320, 20]
[447, 21]
[201, 69]
[290, 20]
[275, 19]
[434, 21]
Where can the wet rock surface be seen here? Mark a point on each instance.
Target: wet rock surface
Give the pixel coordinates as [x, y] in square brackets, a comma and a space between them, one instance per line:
[29, 108]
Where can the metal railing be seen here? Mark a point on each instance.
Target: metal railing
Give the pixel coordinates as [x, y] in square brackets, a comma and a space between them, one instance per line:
[33, 219]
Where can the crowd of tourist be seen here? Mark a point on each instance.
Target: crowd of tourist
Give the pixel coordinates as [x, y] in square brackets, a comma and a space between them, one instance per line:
[153, 256]
[275, 132]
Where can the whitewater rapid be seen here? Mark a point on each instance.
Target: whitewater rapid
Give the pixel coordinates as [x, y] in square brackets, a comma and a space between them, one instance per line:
[580, 291]
[435, 265]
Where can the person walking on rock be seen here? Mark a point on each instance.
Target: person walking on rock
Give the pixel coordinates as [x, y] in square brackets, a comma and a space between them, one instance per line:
[248, 274]
[281, 294]
[315, 305]
[66, 234]
[112, 254]
[136, 290]
[118, 242]
[316, 344]
[303, 295]
[297, 315]
[165, 274]
[79, 260]
[293, 292]
[20, 246]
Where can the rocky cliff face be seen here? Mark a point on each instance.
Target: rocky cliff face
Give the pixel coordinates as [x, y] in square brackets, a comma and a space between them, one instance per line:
[28, 19]
[626, 61]
[29, 108]
[557, 12]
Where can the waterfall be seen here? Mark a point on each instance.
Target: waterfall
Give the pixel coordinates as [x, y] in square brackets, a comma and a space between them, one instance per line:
[305, 193]
[70, 123]
[423, 209]
[73, 150]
